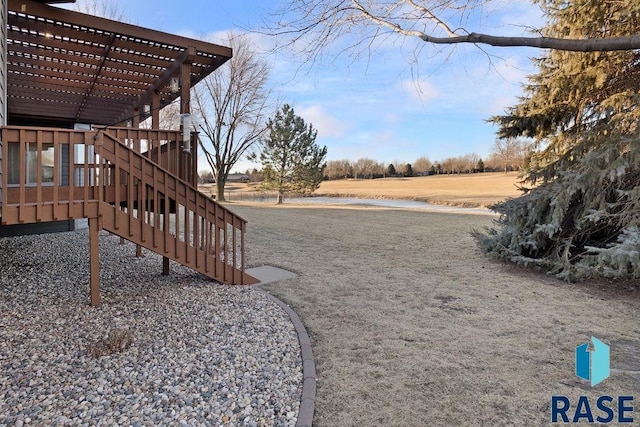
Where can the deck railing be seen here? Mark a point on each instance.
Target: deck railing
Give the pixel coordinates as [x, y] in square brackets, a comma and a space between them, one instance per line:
[60, 174]
[164, 147]
[48, 175]
[157, 210]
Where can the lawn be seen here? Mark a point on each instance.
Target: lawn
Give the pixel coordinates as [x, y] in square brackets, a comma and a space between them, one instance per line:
[412, 325]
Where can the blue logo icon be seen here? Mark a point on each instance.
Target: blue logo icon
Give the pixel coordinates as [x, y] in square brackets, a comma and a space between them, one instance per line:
[592, 363]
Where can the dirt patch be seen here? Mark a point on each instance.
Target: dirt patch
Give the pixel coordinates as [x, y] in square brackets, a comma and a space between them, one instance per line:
[412, 325]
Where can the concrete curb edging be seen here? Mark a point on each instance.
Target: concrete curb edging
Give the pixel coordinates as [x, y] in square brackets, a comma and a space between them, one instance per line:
[308, 398]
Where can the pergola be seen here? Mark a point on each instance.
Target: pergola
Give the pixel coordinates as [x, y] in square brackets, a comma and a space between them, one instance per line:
[65, 66]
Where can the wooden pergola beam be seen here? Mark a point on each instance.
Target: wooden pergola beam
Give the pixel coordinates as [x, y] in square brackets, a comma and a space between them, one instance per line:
[98, 71]
[117, 67]
[174, 70]
[133, 31]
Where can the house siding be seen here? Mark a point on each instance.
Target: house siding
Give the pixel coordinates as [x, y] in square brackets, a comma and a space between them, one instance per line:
[3, 76]
[3, 62]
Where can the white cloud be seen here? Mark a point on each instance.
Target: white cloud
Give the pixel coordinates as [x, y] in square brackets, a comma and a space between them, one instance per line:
[326, 124]
[419, 90]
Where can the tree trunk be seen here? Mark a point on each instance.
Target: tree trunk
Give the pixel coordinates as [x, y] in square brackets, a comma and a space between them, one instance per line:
[280, 197]
[220, 182]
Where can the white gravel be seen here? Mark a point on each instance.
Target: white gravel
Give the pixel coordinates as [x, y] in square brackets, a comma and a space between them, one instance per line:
[202, 353]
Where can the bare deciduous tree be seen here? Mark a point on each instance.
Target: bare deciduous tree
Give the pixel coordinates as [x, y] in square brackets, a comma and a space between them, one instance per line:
[109, 9]
[231, 109]
[318, 23]
[169, 117]
[510, 152]
[422, 165]
[367, 168]
[471, 161]
[338, 169]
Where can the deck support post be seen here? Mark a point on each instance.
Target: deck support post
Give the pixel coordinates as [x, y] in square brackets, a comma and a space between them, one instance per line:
[135, 123]
[185, 166]
[94, 261]
[155, 124]
[165, 266]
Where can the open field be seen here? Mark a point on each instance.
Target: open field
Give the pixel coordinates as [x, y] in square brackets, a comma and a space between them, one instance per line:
[460, 190]
[412, 325]
[482, 189]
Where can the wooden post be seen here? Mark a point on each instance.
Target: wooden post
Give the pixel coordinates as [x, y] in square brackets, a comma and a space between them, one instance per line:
[185, 88]
[185, 108]
[155, 124]
[135, 123]
[195, 139]
[94, 261]
[135, 120]
[165, 266]
[155, 111]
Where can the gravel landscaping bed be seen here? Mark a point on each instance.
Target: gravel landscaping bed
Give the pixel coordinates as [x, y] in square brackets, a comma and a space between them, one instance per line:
[175, 350]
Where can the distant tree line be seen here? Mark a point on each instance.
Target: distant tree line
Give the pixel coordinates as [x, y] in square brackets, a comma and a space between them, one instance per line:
[506, 156]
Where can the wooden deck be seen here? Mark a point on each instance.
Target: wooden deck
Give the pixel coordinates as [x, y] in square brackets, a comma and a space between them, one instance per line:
[138, 184]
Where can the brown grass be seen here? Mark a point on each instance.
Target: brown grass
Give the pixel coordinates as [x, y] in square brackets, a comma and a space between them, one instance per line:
[116, 342]
[412, 325]
[483, 189]
[460, 190]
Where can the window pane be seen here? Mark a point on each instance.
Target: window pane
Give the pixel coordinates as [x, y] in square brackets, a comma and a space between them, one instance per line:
[46, 163]
[13, 166]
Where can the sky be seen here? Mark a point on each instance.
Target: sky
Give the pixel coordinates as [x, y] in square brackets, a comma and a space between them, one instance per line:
[395, 104]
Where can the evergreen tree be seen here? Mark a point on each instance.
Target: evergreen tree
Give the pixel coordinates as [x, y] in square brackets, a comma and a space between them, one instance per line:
[292, 161]
[391, 170]
[582, 217]
[408, 170]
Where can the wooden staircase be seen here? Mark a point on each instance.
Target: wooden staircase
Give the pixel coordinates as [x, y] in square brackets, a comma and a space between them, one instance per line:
[126, 182]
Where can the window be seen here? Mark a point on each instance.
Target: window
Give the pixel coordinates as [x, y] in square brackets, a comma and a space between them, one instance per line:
[34, 161]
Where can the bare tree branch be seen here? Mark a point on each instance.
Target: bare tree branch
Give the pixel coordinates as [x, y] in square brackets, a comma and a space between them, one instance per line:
[103, 8]
[315, 24]
[574, 45]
